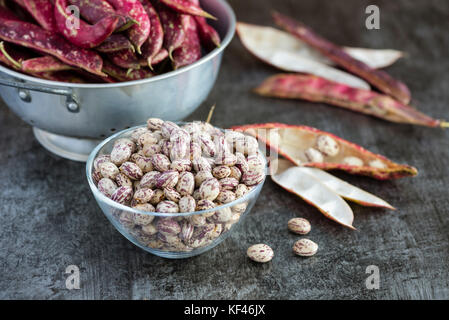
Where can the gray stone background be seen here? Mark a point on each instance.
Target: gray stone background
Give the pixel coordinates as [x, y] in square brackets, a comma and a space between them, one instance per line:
[49, 219]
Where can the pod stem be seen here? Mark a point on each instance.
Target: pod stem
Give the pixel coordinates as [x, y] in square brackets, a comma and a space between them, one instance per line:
[150, 63]
[170, 54]
[211, 112]
[11, 59]
[209, 16]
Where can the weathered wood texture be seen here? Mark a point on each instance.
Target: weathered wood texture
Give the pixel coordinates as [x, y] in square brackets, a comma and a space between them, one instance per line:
[49, 219]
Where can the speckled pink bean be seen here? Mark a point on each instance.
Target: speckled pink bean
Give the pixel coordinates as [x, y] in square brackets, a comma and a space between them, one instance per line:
[210, 189]
[137, 133]
[197, 242]
[222, 146]
[222, 216]
[228, 183]
[235, 173]
[252, 178]
[192, 128]
[218, 229]
[167, 179]
[251, 144]
[240, 208]
[165, 147]
[147, 138]
[187, 204]
[158, 135]
[143, 219]
[131, 170]
[202, 176]
[233, 136]
[109, 170]
[255, 162]
[226, 196]
[171, 241]
[126, 142]
[144, 163]
[186, 231]
[260, 253]
[122, 195]
[122, 150]
[241, 190]
[149, 229]
[186, 183]
[247, 146]
[226, 159]
[181, 165]
[241, 162]
[168, 226]
[167, 129]
[158, 196]
[120, 154]
[203, 233]
[305, 248]
[143, 195]
[201, 164]
[107, 187]
[205, 204]
[180, 133]
[172, 195]
[195, 150]
[123, 180]
[180, 148]
[99, 160]
[207, 145]
[96, 176]
[127, 219]
[149, 180]
[221, 172]
[167, 206]
[160, 162]
[154, 123]
[197, 220]
[151, 149]
[148, 207]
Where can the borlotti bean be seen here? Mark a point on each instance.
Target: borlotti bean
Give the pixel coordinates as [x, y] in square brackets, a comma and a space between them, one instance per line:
[305, 248]
[171, 169]
[299, 226]
[260, 253]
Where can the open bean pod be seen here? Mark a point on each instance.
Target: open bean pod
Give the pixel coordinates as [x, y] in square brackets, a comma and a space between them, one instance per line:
[340, 187]
[313, 192]
[310, 147]
[267, 42]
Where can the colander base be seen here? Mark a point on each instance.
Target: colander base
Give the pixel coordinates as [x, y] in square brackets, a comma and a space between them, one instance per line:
[71, 148]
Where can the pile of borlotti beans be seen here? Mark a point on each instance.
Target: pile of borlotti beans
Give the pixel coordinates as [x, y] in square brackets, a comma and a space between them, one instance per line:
[175, 169]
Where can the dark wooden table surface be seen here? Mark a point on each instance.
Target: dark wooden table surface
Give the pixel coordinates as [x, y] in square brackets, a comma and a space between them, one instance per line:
[49, 219]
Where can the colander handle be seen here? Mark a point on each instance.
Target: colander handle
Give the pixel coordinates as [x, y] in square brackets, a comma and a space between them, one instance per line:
[24, 88]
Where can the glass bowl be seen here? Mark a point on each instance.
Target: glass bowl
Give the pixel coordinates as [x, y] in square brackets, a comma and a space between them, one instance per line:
[203, 239]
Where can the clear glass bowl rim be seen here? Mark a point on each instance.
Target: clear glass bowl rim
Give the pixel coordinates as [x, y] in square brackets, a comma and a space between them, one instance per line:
[116, 205]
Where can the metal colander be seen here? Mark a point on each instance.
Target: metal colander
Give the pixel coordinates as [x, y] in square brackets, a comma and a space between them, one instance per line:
[70, 119]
